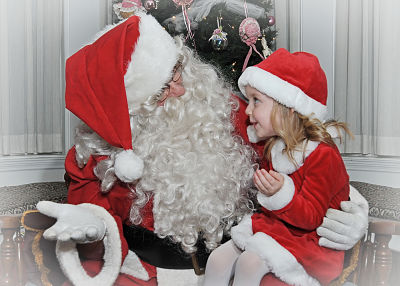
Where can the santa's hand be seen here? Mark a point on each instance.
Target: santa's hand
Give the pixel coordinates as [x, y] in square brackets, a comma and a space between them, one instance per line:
[74, 223]
[341, 230]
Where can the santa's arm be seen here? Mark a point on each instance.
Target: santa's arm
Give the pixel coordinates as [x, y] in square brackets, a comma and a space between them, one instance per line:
[89, 217]
[341, 230]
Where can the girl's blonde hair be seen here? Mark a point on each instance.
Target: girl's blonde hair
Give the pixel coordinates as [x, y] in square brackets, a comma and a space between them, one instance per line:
[293, 128]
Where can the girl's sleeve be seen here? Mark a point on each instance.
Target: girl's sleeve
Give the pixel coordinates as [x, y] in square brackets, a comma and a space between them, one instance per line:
[304, 204]
[85, 188]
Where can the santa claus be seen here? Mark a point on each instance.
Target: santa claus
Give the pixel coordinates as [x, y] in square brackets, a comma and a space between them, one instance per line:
[161, 168]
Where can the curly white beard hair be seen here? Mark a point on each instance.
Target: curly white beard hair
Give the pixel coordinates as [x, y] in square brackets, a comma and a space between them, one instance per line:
[198, 171]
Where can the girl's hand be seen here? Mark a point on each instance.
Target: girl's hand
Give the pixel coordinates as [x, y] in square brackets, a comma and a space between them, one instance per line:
[268, 183]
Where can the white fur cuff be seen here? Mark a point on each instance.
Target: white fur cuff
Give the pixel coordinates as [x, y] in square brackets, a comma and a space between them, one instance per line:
[280, 199]
[70, 263]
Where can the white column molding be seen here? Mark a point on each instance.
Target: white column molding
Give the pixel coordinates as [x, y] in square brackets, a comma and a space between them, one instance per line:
[19, 170]
[374, 170]
[288, 23]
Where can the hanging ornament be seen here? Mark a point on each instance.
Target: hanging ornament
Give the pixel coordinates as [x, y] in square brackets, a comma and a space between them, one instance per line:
[150, 5]
[219, 41]
[184, 4]
[127, 8]
[266, 50]
[271, 21]
[249, 31]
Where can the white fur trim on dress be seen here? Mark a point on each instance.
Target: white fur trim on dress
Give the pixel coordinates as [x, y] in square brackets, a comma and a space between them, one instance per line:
[70, 263]
[282, 263]
[281, 162]
[181, 277]
[282, 91]
[152, 62]
[242, 232]
[281, 198]
[132, 266]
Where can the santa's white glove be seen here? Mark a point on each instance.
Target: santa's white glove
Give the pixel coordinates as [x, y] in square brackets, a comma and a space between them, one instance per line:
[74, 223]
[341, 230]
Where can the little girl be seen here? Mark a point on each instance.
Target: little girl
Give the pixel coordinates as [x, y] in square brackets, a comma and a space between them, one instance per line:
[304, 176]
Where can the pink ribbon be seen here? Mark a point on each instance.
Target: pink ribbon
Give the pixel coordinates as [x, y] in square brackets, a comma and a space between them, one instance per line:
[246, 61]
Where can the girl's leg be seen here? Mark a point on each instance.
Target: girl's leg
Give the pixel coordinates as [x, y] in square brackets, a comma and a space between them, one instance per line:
[221, 264]
[250, 269]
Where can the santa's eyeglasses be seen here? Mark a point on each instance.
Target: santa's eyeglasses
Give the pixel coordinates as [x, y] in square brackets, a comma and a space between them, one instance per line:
[176, 76]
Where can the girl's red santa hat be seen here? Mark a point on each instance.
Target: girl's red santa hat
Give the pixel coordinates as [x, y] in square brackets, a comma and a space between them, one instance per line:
[130, 62]
[295, 80]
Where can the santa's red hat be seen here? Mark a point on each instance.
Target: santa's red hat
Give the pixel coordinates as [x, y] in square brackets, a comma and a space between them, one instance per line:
[295, 80]
[129, 63]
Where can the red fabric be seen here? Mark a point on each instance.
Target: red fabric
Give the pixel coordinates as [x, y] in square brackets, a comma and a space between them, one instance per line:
[299, 69]
[95, 89]
[85, 188]
[321, 183]
[271, 280]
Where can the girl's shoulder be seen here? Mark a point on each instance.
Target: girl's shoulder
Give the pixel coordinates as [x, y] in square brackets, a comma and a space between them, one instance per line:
[325, 154]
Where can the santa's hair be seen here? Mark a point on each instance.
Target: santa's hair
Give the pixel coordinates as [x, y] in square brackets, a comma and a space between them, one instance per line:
[197, 170]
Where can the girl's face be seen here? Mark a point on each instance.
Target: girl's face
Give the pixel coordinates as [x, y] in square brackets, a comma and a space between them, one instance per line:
[259, 111]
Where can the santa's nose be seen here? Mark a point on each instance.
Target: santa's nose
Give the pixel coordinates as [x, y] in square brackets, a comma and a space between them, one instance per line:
[176, 89]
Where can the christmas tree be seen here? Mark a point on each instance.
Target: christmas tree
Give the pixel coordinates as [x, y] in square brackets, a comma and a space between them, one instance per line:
[204, 17]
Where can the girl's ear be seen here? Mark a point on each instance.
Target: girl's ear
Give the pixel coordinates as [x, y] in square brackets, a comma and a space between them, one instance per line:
[292, 110]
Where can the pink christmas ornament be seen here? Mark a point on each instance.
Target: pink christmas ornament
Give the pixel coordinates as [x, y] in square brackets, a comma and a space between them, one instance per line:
[183, 2]
[127, 8]
[249, 31]
[271, 20]
[131, 3]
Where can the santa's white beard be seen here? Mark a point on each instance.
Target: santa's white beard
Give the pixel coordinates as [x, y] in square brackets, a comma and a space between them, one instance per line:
[197, 170]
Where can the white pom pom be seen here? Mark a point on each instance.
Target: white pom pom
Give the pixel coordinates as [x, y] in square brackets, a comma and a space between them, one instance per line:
[128, 166]
[251, 133]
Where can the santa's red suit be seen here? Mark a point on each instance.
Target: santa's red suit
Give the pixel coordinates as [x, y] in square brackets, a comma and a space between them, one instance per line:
[85, 188]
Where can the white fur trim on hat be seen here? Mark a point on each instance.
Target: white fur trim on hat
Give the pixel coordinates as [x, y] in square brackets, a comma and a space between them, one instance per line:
[281, 161]
[152, 61]
[282, 91]
[128, 166]
[281, 198]
[70, 263]
[283, 264]
[242, 232]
